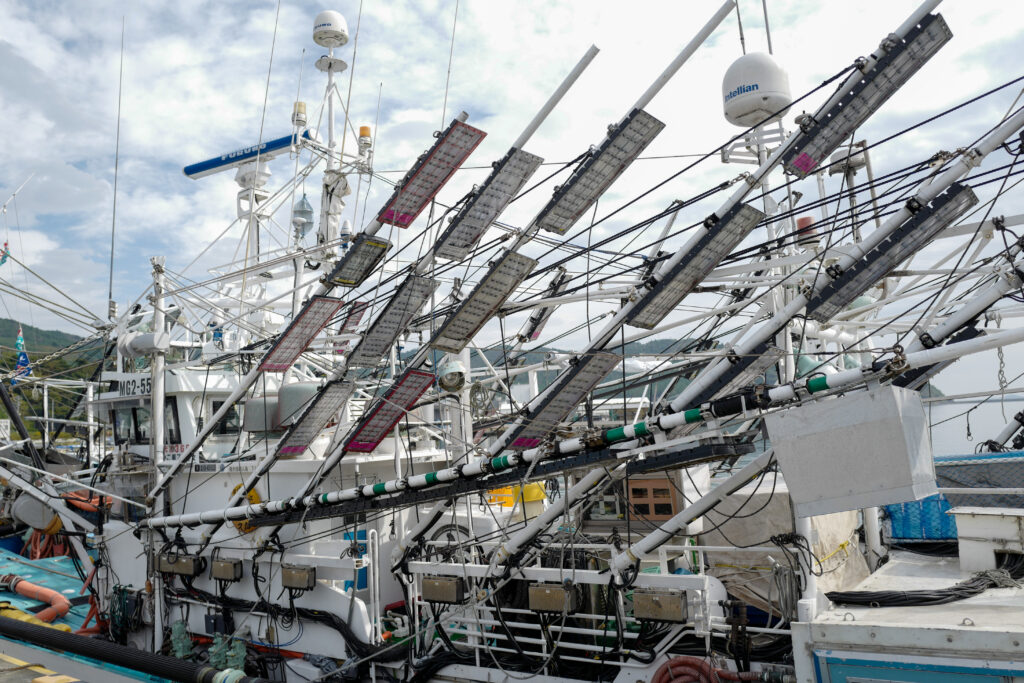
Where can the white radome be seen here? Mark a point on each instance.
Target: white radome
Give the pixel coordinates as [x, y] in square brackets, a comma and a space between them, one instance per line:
[755, 90]
[330, 29]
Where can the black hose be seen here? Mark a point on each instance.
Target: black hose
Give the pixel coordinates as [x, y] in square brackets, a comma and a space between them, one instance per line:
[104, 651]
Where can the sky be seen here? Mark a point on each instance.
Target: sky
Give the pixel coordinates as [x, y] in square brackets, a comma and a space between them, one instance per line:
[196, 85]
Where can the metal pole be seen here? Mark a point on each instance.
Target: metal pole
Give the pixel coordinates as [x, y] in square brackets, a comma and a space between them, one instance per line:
[331, 161]
[90, 418]
[156, 402]
[700, 507]
[681, 58]
[556, 97]
[44, 428]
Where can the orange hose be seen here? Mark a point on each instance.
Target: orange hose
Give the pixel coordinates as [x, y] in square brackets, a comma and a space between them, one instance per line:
[81, 500]
[59, 605]
[684, 669]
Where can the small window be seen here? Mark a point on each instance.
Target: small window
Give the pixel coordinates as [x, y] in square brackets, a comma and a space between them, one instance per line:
[172, 433]
[230, 424]
[124, 425]
[652, 494]
[142, 425]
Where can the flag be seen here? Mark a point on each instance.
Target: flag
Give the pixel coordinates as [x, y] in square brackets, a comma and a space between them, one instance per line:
[3, 257]
[22, 368]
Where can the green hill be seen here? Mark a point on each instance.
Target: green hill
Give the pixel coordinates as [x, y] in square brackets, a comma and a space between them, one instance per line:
[35, 339]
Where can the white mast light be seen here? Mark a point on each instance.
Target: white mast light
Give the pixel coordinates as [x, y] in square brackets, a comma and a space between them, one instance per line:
[407, 300]
[719, 240]
[382, 418]
[825, 131]
[504, 183]
[302, 216]
[563, 398]
[297, 336]
[320, 412]
[358, 263]
[490, 293]
[889, 253]
[596, 174]
[431, 171]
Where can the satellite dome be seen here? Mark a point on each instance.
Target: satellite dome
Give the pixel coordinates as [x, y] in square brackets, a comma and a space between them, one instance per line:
[330, 29]
[755, 90]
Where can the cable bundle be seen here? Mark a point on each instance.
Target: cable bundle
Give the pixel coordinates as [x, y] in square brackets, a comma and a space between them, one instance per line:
[1005, 577]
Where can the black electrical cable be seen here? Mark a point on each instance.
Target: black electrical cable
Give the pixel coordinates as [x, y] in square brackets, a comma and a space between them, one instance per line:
[1011, 569]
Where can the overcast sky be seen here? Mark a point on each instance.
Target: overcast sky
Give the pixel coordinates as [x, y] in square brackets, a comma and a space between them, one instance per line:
[195, 76]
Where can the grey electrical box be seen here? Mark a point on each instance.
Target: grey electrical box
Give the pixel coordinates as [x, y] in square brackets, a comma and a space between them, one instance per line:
[296, 577]
[450, 590]
[182, 565]
[552, 597]
[226, 570]
[660, 605]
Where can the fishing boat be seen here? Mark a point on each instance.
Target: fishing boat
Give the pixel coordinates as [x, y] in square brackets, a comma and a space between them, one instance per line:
[680, 441]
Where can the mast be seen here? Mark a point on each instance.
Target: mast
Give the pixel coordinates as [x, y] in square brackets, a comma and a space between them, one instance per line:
[157, 366]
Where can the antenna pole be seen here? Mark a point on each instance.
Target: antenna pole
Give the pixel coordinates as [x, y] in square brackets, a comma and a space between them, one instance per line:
[111, 306]
[331, 161]
[767, 29]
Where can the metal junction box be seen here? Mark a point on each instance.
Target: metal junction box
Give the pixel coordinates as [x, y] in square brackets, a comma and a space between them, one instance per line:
[297, 577]
[226, 570]
[450, 590]
[660, 605]
[182, 565]
[552, 597]
[860, 450]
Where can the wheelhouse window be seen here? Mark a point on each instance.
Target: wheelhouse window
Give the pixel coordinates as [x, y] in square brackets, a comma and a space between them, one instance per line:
[124, 425]
[143, 425]
[230, 424]
[172, 431]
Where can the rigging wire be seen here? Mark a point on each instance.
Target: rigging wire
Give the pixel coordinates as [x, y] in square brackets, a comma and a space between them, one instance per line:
[117, 156]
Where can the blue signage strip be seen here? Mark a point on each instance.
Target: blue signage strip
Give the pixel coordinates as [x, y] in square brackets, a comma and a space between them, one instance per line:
[240, 156]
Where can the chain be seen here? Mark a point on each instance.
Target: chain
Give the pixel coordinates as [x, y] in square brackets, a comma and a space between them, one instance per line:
[1002, 381]
[58, 353]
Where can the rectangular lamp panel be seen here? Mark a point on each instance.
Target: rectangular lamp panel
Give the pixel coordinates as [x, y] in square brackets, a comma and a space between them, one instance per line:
[318, 415]
[353, 317]
[501, 186]
[830, 128]
[313, 317]
[392, 321]
[717, 243]
[535, 325]
[359, 261]
[890, 252]
[596, 174]
[376, 425]
[753, 370]
[491, 292]
[430, 173]
[567, 393]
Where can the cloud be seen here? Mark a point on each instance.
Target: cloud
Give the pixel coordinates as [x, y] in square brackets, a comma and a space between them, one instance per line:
[195, 82]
